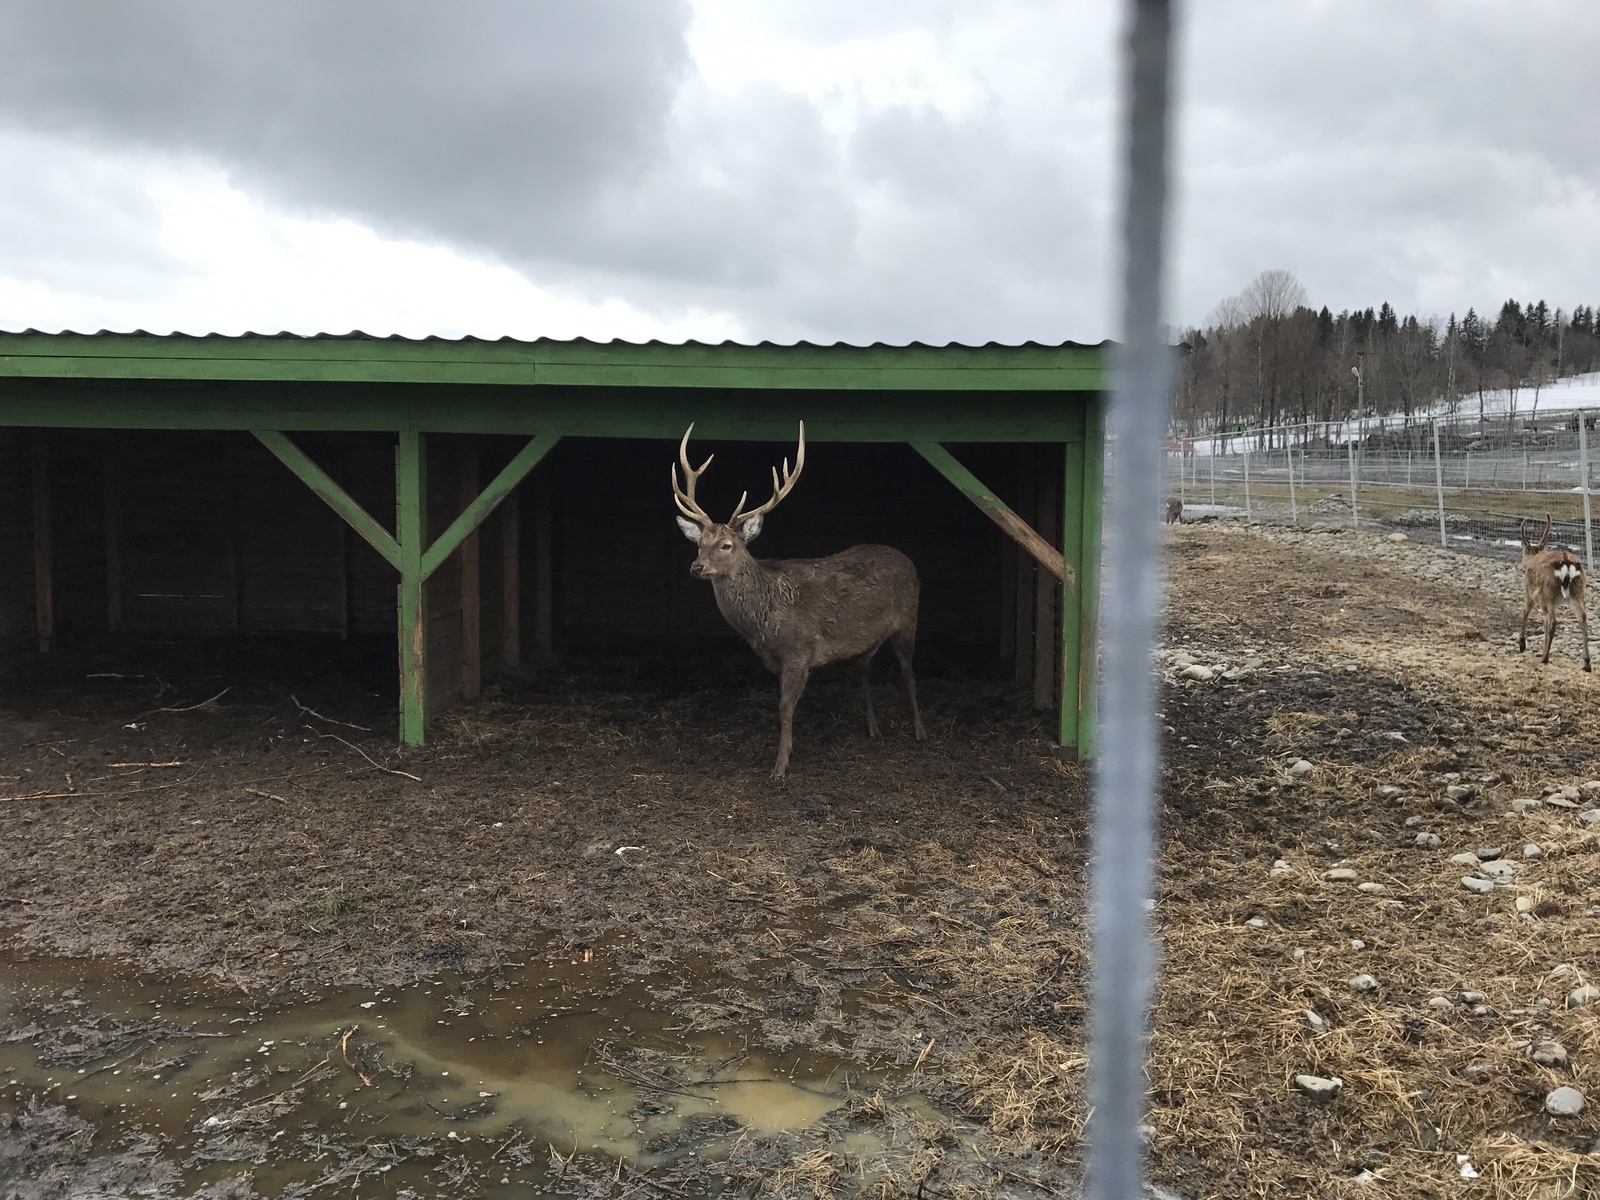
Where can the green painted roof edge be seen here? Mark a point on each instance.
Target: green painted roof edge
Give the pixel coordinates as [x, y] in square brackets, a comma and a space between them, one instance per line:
[360, 358]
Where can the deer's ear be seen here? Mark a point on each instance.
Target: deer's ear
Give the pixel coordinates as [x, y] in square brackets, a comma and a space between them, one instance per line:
[690, 529]
[750, 527]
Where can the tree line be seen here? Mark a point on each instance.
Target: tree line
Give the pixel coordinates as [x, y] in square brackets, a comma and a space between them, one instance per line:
[1265, 357]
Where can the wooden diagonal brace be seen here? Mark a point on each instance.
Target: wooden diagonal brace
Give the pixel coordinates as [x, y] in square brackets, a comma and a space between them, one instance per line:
[476, 512]
[320, 482]
[995, 509]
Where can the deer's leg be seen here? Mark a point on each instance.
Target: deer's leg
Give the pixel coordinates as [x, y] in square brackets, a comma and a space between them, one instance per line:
[1522, 638]
[902, 650]
[1583, 626]
[792, 678]
[865, 662]
[1549, 630]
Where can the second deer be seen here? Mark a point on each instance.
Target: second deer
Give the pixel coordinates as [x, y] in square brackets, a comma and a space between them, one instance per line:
[1551, 576]
[805, 612]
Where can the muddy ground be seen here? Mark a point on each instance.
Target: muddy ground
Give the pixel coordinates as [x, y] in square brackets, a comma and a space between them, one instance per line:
[912, 911]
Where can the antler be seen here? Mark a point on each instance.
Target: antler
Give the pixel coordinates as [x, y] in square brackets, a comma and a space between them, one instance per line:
[780, 487]
[1544, 537]
[685, 499]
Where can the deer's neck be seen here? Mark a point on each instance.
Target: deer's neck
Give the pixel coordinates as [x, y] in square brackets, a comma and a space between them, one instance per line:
[755, 601]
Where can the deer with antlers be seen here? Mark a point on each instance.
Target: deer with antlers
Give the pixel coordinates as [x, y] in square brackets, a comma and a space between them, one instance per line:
[1551, 576]
[806, 612]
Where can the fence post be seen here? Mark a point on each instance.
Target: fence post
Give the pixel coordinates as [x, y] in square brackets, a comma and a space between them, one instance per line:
[1583, 465]
[1355, 519]
[1211, 465]
[1438, 481]
[1294, 507]
[1247, 479]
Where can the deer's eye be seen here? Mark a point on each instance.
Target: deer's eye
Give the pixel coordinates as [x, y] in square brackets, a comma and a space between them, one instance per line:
[726, 546]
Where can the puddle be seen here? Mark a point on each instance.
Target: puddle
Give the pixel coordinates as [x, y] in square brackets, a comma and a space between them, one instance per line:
[496, 1084]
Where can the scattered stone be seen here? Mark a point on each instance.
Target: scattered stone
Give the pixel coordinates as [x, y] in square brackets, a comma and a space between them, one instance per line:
[1589, 816]
[1524, 904]
[1372, 889]
[1533, 850]
[1560, 801]
[1389, 792]
[1474, 884]
[1450, 777]
[1315, 1021]
[1563, 1102]
[1489, 853]
[1526, 804]
[1461, 792]
[1473, 997]
[1341, 875]
[1299, 954]
[1549, 1054]
[1181, 658]
[1412, 822]
[1570, 790]
[1362, 983]
[1499, 871]
[1234, 674]
[1464, 859]
[1324, 1090]
[1281, 867]
[1426, 841]
[1592, 786]
[1579, 996]
[1197, 672]
[1477, 1071]
[1299, 768]
[1481, 1010]
[1357, 944]
[1440, 1002]
[1259, 923]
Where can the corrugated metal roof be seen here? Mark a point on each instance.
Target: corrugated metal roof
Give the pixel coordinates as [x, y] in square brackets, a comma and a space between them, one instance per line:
[361, 335]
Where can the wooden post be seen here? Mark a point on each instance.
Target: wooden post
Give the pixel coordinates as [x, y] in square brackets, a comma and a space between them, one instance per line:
[411, 532]
[471, 581]
[511, 581]
[1044, 645]
[543, 550]
[44, 599]
[1091, 497]
[112, 474]
[1027, 492]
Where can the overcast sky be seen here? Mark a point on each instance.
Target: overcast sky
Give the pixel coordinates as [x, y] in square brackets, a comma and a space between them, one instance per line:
[892, 170]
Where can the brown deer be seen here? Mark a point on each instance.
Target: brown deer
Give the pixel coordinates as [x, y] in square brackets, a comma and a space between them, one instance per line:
[1552, 576]
[804, 612]
[1174, 511]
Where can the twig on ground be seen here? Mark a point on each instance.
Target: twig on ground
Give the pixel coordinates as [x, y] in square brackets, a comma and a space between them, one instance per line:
[344, 1053]
[330, 720]
[150, 764]
[189, 707]
[377, 765]
[266, 795]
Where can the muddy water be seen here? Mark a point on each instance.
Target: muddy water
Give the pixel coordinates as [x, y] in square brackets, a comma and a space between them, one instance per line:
[481, 1084]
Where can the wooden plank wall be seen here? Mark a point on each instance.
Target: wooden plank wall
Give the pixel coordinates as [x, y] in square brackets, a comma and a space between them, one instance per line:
[16, 542]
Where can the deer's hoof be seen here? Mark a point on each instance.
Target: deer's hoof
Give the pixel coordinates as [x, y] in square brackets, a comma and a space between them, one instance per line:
[1586, 666]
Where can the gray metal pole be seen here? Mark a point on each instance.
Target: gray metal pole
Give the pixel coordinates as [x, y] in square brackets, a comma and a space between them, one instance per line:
[1355, 518]
[1128, 765]
[1583, 465]
[1211, 465]
[1247, 481]
[1294, 508]
[1438, 481]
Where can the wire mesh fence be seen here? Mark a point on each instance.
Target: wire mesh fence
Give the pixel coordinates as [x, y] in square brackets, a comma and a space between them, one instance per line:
[1465, 482]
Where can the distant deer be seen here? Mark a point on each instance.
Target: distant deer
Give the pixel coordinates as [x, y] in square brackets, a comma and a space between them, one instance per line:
[804, 612]
[1552, 576]
[1174, 510]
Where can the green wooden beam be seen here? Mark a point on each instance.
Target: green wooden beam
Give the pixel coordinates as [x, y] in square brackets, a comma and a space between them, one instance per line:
[358, 358]
[993, 507]
[411, 528]
[476, 512]
[320, 482]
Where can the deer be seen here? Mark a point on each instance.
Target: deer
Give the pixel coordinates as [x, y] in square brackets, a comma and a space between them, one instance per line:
[1174, 511]
[801, 613]
[1551, 576]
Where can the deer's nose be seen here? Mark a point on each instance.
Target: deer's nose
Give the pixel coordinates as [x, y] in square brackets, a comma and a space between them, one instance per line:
[697, 568]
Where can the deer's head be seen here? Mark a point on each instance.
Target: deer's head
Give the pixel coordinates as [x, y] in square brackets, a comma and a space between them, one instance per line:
[722, 544]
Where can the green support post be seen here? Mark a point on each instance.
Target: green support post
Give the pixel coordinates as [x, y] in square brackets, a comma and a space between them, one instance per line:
[411, 532]
[1080, 610]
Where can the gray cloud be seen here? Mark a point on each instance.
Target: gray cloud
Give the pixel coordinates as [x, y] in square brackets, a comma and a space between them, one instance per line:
[1435, 155]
